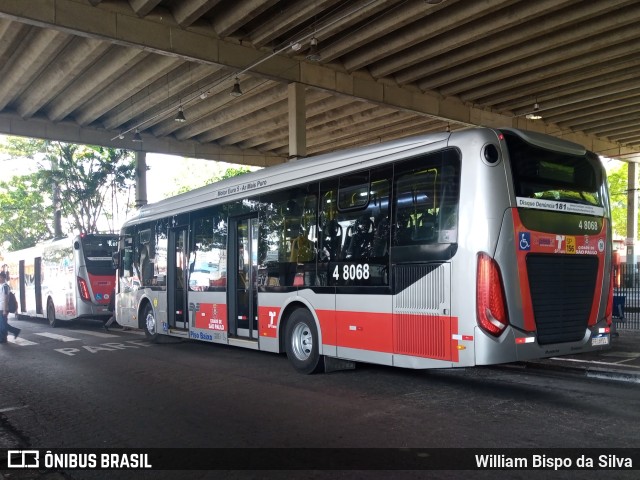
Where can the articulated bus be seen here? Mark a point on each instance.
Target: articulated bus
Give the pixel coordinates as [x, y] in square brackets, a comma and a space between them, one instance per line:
[473, 247]
[65, 279]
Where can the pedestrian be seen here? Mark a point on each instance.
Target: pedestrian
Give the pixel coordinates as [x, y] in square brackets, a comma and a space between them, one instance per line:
[5, 269]
[112, 309]
[5, 328]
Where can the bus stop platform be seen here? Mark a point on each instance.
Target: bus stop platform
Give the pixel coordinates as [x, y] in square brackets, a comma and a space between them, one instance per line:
[621, 362]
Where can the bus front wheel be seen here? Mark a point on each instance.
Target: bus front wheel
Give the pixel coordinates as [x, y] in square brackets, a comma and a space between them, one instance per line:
[302, 342]
[51, 313]
[150, 324]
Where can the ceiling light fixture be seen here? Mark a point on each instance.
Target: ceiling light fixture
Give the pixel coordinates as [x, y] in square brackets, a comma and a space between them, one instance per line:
[180, 116]
[535, 115]
[296, 45]
[136, 137]
[314, 54]
[235, 91]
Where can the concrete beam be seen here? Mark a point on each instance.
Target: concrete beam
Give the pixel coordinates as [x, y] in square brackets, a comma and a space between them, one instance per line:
[11, 124]
[297, 121]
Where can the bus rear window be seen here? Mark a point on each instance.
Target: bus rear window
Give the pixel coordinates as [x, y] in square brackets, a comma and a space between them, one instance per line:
[547, 175]
[98, 253]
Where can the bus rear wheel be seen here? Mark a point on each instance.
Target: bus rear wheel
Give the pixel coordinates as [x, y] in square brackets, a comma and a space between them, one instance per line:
[303, 342]
[51, 313]
[150, 324]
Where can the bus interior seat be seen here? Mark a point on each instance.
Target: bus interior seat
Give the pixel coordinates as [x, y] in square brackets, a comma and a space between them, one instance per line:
[331, 240]
[359, 244]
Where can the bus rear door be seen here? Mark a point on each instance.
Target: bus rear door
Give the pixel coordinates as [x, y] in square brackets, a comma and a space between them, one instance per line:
[177, 314]
[242, 277]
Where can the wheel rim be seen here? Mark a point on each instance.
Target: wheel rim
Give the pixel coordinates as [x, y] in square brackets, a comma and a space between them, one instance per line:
[302, 341]
[151, 323]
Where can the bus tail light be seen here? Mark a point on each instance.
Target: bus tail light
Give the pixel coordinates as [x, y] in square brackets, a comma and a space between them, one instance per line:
[608, 313]
[490, 300]
[83, 289]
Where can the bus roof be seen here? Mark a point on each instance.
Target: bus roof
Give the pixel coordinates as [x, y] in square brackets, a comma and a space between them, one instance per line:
[288, 174]
[314, 168]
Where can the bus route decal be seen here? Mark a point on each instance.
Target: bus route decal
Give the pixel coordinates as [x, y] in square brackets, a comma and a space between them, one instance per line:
[241, 188]
[524, 202]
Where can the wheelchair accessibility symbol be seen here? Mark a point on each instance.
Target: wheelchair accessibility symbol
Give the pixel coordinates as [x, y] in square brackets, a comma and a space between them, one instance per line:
[525, 241]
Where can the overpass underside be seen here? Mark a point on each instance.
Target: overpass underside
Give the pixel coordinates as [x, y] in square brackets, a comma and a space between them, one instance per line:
[315, 76]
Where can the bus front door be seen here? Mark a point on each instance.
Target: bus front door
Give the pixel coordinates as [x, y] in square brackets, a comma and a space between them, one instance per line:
[177, 314]
[242, 277]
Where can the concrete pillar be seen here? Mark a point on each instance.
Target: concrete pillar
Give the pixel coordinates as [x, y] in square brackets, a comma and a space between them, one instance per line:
[297, 121]
[632, 212]
[141, 179]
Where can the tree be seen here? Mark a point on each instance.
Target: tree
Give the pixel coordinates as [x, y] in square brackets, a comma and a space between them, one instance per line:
[618, 191]
[85, 176]
[74, 180]
[228, 173]
[25, 216]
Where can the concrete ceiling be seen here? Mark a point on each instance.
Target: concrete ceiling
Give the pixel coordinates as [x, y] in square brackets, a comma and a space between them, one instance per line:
[95, 71]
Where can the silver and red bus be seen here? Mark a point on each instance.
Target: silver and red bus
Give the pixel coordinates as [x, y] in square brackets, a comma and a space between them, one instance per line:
[473, 247]
[65, 279]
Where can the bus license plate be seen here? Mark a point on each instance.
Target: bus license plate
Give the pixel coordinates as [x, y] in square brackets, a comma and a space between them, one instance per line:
[600, 340]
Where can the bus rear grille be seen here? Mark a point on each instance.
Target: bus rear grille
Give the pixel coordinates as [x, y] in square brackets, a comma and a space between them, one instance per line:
[562, 289]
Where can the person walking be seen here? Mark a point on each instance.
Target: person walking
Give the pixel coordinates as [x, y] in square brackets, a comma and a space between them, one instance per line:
[5, 328]
[112, 309]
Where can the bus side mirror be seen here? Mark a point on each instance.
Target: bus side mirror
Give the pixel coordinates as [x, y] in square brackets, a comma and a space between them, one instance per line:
[115, 259]
[76, 245]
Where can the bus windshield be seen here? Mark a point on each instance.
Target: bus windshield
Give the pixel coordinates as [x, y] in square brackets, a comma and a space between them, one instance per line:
[98, 253]
[551, 175]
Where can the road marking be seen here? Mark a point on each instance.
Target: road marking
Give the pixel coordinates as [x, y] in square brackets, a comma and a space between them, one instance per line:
[21, 341]
[594, 362]
[11, 409]
[55, 336]
[96, 334]
[105, 347]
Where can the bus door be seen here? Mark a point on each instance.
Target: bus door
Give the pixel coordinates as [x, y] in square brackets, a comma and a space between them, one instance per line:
[177, 314]
[242, 277]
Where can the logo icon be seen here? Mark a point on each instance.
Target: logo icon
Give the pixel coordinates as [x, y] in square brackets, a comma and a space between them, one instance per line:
[525, 241]
[23, 459]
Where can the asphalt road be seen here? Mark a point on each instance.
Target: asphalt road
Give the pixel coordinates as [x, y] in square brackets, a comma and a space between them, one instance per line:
[79, 387]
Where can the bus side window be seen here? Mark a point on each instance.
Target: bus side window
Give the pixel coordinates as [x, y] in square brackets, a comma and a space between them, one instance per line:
[288, 231]
[426, 201]
[357, 236]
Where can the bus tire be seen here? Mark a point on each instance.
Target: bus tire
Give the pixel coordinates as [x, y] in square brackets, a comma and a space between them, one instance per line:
[150, 324]
[303, 342]
[51, 313]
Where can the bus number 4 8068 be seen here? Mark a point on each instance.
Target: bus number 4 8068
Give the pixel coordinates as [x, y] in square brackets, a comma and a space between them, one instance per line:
[352, 272]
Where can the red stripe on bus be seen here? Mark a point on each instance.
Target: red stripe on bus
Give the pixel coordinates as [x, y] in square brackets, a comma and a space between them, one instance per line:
[420, 335]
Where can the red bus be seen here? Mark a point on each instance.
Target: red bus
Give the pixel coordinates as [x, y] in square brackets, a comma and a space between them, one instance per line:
[444, 250]
[64, 279]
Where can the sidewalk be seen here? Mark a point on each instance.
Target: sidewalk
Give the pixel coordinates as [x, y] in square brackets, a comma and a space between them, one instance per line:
[621, 362]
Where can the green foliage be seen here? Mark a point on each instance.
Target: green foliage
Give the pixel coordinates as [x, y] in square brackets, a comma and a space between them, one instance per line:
[25, 217]
[619, 194]
[228, 173]
[85, 176]
[77, 178]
